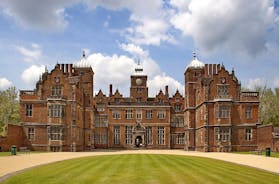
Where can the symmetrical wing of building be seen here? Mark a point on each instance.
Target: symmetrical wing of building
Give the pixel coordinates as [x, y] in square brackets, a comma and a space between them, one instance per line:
[213, 114]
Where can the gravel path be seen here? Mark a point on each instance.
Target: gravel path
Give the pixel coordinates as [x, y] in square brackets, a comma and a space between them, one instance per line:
[10, 165]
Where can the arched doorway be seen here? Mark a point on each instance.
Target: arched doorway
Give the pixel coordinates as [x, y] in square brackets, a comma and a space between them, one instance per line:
[138, 141]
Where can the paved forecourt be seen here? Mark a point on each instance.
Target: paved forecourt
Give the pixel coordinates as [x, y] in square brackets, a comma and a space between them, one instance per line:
[12, 164]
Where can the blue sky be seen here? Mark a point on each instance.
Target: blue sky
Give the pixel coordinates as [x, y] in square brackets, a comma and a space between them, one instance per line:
[243, 35]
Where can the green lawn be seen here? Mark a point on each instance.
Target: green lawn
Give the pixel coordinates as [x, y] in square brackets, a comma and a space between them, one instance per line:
[139, 168]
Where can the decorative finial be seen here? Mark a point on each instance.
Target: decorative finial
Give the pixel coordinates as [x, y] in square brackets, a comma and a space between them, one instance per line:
[83, 53]
[138, 62]
[194, 55]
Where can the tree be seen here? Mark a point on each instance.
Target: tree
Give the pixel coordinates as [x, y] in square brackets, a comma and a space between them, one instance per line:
[269, 105]
[9, 108]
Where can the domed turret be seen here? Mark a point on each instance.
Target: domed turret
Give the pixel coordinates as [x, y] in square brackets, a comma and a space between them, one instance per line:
[195, 63]
[83, 63]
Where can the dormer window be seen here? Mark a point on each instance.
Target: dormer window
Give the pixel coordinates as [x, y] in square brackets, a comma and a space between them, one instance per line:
[161, 101]
[116, 100]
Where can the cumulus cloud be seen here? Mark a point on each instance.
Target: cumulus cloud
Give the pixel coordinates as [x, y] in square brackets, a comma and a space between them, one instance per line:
[31, 75]
[117, 70]
[237, 25]
[4, 83]
[160, 81]
[149, 24]
[41, 15]
[254, 83]
[32, 54]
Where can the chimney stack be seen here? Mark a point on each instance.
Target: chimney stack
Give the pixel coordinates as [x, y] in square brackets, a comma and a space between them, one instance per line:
[110, 90]
[67, 68]
[167, 91]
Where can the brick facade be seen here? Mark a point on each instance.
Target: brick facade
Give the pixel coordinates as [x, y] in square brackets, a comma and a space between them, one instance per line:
[268, 137]
[61, 114]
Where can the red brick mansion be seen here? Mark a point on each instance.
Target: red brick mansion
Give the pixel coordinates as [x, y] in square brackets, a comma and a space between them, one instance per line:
[62, 114]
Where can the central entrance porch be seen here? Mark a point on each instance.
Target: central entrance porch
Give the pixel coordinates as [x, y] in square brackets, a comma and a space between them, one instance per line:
[138, 136]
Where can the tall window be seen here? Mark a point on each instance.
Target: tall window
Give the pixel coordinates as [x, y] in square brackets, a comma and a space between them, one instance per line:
[116, 114]
[100, 138]
[55, 133]
[177, 107]
[149, 135]
[161, 135]
[248, 113]
[28, 110]
[56, 91]
[248, 134]
[128, 134]
[101, 121]
[139, 114]
[149, 114]
[223, 91]
[161, 114]
[224, 112]
[225, 134]
[116, 134]
[56, 111]
[129, 114]
[31, 134]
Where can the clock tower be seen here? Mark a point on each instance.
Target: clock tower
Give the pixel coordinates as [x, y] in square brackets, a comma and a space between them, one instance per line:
[138, 89]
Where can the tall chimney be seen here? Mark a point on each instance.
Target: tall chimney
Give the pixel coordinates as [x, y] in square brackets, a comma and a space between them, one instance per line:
[110, 90]
[167, 91]
[67, 68]
[70, 69]
[62, 68]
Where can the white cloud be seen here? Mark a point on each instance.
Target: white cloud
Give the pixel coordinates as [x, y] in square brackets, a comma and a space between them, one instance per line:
[4, 83]
[254, 83]
[160, 81]
[237, 25]
[134, 50]
[31, 75]
[30, 55]
[117, 70]
[41, 15]
[149, 24]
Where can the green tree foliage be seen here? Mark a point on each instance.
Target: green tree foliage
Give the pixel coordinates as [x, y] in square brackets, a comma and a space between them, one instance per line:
[269, 105]
[9, 108]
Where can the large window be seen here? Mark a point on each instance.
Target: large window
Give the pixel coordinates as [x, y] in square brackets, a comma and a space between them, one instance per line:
[116, 134]
[149, 135]
[100, 138]
[222, 134]
[129, 114]
[55, 133]
[116, 114]
[28, 110]
[129, 135]
[56, 91]
[248, 134]
[223, 91]
[177, 138]
[248, 113]
[101, 121]
[177, 122]
[224, 112]
[31, 134]
[161, 135]
[161, 114]
[56, 111]
[149, 114]
[139, 114]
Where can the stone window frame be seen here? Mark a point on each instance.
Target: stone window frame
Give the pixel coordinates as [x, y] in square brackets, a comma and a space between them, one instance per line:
[161, 114]
[248, 134]
[149, 135]
[139, 114]
[29, 110]
[178, 138]
[149, 114]
[248, 112]
[56, 110]
[116, 135]
[129, 135]
[100, 138]
[223, 91]
[129, 113]
[116, 114]
[161, 135]
[31, 133]
[56, 133]
[56, 90]
[177, 107]
[223, 111]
